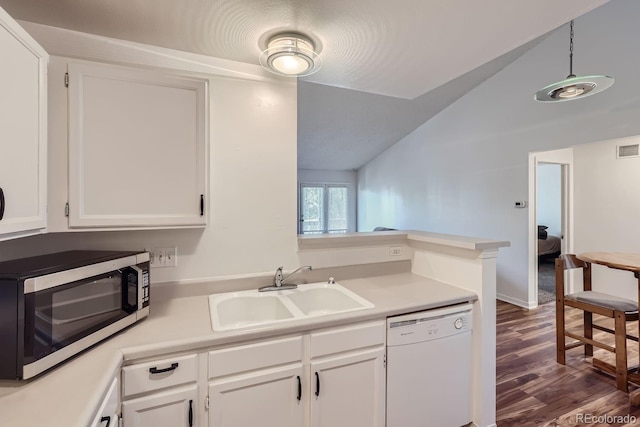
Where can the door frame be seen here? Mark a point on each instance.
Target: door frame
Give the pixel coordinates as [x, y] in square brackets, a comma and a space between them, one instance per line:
[562, 157]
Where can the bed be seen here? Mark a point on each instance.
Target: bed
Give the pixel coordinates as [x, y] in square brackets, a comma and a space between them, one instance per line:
[549, 246]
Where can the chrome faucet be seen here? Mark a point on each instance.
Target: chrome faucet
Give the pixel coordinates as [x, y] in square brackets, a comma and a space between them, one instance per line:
[279, 279]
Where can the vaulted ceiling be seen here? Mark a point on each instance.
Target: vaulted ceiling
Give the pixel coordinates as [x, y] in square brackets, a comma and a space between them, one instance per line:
[405, 61]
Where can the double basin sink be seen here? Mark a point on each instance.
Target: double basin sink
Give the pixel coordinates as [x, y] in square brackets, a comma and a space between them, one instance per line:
[235, 310]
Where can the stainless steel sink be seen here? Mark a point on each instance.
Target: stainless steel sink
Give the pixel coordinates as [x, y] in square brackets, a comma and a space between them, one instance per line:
[236, 310]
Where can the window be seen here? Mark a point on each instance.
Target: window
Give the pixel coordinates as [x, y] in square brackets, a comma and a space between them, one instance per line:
[323, 208]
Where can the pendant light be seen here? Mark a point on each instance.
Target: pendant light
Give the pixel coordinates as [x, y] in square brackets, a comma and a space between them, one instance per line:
[573, 87]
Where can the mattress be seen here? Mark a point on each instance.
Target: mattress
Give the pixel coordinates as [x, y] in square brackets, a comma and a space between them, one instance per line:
[550, 245]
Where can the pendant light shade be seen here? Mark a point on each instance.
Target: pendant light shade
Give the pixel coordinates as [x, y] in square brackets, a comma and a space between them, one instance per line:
[290, 55]
[573, 87]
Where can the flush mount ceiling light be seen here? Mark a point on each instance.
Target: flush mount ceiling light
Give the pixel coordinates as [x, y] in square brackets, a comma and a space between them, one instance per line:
[290, 55]
[573, 87]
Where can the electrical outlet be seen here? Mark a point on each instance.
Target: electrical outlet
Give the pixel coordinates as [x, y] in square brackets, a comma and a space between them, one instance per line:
[153, 257]
[163, 257]
[170, 257]
[395, 250]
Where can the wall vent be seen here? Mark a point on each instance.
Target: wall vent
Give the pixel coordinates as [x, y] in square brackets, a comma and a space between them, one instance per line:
[631, 150]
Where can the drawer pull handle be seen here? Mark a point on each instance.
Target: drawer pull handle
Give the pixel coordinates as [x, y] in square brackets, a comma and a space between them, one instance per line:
[299, 388]
[1, 203]
[317, 384]
[107, 419]
[191, 413]
[155, 370]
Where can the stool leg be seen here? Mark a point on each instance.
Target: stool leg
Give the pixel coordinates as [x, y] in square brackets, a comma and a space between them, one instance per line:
[560, 343]
[621, 351]
[588, 332]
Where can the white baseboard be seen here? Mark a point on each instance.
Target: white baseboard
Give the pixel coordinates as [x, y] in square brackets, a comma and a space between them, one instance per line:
[516, 301]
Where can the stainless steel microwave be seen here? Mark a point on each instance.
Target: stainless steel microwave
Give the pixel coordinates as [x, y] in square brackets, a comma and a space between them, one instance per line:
[54, 306]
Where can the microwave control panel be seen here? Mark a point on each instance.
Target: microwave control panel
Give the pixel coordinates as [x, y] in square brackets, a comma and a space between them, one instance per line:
[145, 288]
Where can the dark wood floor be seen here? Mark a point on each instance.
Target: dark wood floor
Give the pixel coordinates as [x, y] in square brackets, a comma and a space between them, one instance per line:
[534, 390]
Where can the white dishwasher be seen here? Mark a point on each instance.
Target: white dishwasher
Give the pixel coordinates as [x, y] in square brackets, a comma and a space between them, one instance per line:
[429, 368]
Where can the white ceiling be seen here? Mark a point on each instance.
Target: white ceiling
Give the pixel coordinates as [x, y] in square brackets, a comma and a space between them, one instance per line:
[401, 49]
[393, 53]
[343, 129]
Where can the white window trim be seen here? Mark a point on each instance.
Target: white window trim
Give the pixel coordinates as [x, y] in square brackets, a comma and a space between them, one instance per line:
[351, 216]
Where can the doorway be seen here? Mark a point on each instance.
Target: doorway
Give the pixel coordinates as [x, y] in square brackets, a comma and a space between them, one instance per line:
[550, 219]
[550, 230]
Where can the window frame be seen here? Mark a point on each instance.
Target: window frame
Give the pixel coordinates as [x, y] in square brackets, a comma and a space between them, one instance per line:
[325, 206]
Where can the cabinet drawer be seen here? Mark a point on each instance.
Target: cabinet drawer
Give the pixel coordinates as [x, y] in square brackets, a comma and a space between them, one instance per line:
[254, 356]
[149, 376]
[348, 338]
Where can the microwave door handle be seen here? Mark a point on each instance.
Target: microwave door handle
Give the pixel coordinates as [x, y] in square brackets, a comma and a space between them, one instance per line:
[127, 305]
[139, 295]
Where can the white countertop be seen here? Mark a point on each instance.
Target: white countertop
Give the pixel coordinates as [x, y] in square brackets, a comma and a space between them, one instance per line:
[69, 394]
[317, 241]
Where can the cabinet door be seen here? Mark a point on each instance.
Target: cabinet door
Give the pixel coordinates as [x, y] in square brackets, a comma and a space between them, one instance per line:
[23, 131]
[106, 415]
[171, 408]
[137, 148]
[349, 391]
[268, 398]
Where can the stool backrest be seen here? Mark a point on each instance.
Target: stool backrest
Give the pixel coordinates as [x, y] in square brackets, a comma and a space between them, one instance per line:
[569, 262]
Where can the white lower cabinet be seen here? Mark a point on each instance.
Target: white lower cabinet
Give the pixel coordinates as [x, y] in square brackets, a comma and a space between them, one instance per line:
[258, 384]
[267, 398]
[171, 408]
[327, 378]
[348, 379]
[161, 393]
[107, 415]
[349, 391]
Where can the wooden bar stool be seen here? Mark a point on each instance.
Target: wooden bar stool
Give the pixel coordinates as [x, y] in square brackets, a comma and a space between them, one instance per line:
[622, 310]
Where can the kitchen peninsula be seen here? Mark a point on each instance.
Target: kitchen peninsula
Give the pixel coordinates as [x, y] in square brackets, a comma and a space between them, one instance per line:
[432, 270]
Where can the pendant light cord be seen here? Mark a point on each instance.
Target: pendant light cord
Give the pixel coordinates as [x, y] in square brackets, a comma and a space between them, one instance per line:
[571, 51]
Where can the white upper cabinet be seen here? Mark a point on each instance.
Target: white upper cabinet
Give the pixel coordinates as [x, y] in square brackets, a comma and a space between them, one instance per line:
[23, 132]
[138, 153]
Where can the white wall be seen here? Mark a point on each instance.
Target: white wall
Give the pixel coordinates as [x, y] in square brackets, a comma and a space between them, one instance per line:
[252, 129]
[549, 197]
[317, 176]
[328, 176]
[607, 210]
[461, 171]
